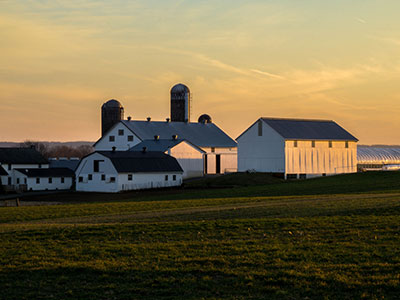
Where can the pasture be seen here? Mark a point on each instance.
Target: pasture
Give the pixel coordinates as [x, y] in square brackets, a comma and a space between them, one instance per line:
[235, 238]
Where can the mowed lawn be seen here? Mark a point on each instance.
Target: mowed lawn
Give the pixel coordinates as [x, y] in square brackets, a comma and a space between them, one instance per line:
[326, 238]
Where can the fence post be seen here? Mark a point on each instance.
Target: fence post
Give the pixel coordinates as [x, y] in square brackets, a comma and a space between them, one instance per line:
[17, 202]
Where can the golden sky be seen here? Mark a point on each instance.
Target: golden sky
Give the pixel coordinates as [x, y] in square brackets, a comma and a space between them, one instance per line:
[60, 60]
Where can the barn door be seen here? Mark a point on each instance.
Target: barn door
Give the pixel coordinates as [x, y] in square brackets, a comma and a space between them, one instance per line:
[218, 163]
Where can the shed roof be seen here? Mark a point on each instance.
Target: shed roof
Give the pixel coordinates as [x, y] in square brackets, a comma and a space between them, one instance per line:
[2, 171]
[200, 134]
[21, 156]
[300, 129]
[142, 162]
[161, 145]
[47, 172]
[378, 155]
[64, 163]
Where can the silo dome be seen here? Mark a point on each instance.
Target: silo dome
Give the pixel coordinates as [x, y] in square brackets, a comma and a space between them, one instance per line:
[179, 88]
[205, 119]
[112, 103]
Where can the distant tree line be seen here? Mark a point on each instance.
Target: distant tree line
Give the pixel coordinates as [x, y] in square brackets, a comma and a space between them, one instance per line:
[49, 151]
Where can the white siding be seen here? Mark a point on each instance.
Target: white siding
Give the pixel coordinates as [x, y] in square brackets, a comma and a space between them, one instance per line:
[11, 173]
[121, 141]
[265, 153]
[148, 181]
[321, 159]
[189, 158]
[31, 184]
[228, 159]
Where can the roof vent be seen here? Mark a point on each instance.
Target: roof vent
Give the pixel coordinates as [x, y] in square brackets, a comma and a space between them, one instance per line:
[129, 118]
[144, 149]
[167, 119]
[174, 137]
[148, 119]
[114, 148]
[156, 137]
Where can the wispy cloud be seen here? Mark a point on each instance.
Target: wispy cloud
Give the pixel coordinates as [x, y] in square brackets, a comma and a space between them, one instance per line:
[361, 20]
[268, 74]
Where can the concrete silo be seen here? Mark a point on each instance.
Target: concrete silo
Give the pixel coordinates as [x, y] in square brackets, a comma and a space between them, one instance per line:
[180, 103]
[111, 113]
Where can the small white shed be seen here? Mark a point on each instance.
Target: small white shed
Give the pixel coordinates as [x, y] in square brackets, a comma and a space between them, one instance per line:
[297, 148]
[116, 171]
[44, 179]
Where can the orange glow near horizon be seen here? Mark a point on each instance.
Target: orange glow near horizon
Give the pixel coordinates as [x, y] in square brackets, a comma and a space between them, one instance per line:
[60, 61]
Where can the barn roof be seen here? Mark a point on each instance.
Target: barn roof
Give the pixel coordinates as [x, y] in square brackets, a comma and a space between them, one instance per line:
[64, 163]
[2, 171]
[161, 145]
[200, 134]
[379, 155]
[21, 156]
[300, 129]
[47, 172]
[142, 162]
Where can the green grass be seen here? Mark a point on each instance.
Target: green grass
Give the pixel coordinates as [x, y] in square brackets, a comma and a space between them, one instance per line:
[275, 241]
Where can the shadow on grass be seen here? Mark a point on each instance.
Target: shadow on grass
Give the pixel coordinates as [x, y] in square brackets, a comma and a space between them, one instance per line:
[85, 283]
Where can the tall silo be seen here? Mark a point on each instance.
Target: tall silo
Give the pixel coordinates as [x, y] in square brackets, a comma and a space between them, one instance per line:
[111, 113]
[180, 103]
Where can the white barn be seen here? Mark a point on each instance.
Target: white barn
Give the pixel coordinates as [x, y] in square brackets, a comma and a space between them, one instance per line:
[189, 156]
[220, 150]
[50, 179]
[18, 158]
[116, 171]
[296, 148]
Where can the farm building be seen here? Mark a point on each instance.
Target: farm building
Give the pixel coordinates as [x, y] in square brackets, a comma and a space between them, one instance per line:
[18, 158]
[220, 150]
[374, 158]
[43, 179]
[296, 148]
[116, 171]
[189, 156]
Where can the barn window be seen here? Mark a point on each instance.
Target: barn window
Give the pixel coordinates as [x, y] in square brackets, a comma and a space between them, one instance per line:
[9, 167]
[130, 138]
[295, 144]
[96, 165]
[90, 177]
[9, 180]
[111, 138]
[330, 144]
[313, 144]
[120, 132]
[40, 166]
[212, 149]
[103, 177]
[80, 179]
[130, 177]
[173, 177]
[112, 179]
[346, 144]
[50, 180]
[17, 180]
[259, 128]
[166, 177]
[62, 179]
[37, 180]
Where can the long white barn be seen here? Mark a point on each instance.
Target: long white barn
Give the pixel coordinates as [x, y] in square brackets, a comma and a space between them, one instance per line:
[297, 148]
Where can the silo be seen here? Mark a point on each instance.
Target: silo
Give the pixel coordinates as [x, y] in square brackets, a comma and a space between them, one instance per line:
[205, 119]
[111, 113]
[180, 103]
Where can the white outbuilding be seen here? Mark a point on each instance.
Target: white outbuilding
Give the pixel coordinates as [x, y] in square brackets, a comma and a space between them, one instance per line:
[116, 171]
[49, 179]
[189, 156]
[297, 148]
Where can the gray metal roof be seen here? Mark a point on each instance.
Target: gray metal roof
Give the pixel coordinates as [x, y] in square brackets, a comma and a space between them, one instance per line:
[21, 156]
[378, 155]
[142, 162]
[299, 129]
[54, 172]
[160, 145]
[199, 134]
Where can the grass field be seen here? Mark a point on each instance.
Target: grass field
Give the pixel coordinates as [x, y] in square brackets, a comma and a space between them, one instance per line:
[235, 238]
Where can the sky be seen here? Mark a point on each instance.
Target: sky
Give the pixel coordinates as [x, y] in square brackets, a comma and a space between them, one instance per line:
[60, 60]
